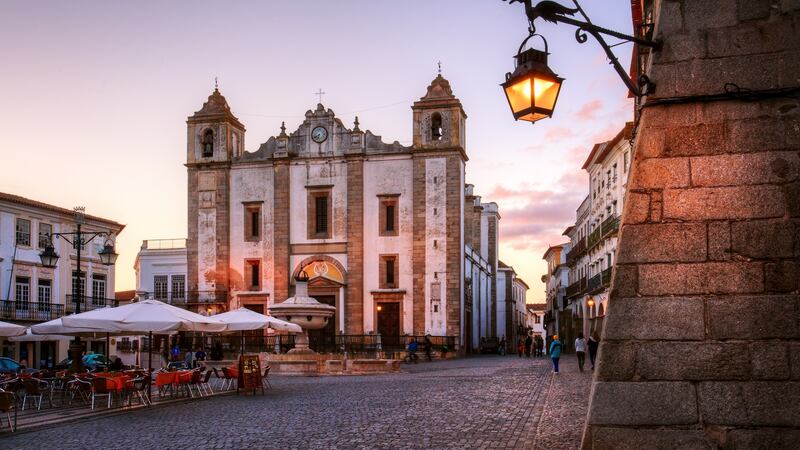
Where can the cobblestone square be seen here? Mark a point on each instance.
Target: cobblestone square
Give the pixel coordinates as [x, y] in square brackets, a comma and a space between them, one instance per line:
[480, 402]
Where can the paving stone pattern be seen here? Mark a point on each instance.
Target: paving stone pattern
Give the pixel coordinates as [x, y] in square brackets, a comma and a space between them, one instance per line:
[482, 402]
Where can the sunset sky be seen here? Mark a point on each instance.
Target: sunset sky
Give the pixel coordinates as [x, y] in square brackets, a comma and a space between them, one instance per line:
[97, 94]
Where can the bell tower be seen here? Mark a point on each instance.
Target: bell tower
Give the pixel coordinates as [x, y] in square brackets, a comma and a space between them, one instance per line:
[439, 119]
[439, 155]
[215, 137]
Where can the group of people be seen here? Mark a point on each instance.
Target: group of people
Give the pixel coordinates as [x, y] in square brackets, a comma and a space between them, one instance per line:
[413, 347]
[530, 346]
[581, 346]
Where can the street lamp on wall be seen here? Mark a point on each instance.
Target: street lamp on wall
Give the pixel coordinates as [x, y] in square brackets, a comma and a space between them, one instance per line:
[533, 88]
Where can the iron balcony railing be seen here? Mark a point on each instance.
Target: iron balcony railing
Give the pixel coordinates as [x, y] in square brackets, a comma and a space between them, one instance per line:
[609, 226]
[577, 251]
[595, 282]
[88, 303]
[577, 288]
[30, 311]
[189, 297]
[606, 277]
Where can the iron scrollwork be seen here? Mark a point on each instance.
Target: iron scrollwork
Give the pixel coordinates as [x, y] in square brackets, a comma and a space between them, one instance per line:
[553, 12]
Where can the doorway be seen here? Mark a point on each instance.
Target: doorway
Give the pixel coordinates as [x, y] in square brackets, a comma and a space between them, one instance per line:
[389, 324]
[324, 339]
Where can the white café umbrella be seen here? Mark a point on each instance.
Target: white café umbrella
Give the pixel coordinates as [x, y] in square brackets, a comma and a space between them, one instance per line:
[146, 316]
[10, 329]
[243, 319]
[30, 337]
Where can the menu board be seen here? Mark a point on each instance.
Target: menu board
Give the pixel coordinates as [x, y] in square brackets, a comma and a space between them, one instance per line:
[250, 373]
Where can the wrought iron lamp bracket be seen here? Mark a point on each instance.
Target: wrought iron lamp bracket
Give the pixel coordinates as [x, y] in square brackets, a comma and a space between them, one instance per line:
[556, 13]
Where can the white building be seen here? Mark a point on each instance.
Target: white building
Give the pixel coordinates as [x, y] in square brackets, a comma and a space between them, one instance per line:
[558, 318]
[160, 268]
[511, 296]
[594, 235]
[31, 293]
[534, 319]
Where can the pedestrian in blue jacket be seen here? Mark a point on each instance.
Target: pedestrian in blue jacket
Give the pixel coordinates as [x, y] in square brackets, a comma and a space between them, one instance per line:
[555, 352]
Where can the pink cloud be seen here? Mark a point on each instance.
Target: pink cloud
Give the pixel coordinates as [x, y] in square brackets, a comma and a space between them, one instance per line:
[589, 110]
[556, 132]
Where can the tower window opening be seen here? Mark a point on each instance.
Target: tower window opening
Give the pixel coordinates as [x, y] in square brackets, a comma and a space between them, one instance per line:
[208, 143]
[436, 127]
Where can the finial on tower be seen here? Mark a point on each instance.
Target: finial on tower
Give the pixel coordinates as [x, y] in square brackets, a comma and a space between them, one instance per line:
[355, 128]
[440, 67]
[283, 129]
[216, 84]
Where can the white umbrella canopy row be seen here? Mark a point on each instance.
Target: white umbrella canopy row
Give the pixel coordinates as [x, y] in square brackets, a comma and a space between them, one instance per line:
[146, 316]
[10, 329]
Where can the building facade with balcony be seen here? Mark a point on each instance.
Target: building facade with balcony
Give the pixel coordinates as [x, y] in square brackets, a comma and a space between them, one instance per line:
[31, 293]
[558, 315]
[594, 235]
[534, 319]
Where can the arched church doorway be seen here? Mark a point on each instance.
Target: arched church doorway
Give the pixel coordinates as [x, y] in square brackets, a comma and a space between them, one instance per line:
[326, 282]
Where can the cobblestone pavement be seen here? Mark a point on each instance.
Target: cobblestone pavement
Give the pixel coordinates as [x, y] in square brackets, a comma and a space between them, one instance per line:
[567, 401]
[480, 402]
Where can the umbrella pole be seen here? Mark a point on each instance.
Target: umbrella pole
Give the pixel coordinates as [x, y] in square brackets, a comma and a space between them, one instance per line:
[108, 350]
[150, 353]
[242, 349]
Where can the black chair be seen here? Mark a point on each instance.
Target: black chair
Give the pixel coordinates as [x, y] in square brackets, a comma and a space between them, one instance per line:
[8, 401]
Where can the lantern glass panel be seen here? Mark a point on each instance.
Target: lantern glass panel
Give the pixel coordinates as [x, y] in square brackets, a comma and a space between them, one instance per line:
[519, 95]
[545, 93]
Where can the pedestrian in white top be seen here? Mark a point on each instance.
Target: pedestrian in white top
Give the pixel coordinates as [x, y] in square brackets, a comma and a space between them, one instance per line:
[580, 350]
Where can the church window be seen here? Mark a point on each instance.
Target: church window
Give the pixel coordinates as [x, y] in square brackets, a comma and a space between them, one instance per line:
[252, 222]
[436, 127]
[388, 271]
[208, 143]
[388, 215]
[625, 162]
[253, 274]
[319, 214]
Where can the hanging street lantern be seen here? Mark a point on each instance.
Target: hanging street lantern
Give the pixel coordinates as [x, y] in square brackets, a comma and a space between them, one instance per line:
[532, 89]
[107, 255]
[49, 256]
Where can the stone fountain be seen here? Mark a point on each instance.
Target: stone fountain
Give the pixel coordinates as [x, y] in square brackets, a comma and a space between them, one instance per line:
[304, 311]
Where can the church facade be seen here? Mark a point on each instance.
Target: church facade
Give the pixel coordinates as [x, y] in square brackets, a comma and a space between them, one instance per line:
[378, 227]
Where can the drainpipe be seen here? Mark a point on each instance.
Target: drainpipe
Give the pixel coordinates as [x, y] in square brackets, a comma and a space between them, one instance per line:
[10, 278]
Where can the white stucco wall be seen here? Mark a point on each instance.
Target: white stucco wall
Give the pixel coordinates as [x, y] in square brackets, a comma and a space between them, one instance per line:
[436, 239]
[388, 176]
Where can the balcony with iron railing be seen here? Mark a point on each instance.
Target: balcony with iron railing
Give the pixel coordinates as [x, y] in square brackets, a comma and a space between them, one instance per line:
[188, 298]
[88, 303]
[30, 311]
[610, 226]
[594, 282]
[607, 228]
[577, 288]
[606, 277]
[577, 251]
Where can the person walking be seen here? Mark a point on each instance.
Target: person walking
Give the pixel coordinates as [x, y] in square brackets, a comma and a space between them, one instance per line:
[593, 344]
[555, 352]
[528, 345]
[428, 346]
[580, 350]
[537, 346]
[520, 347]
